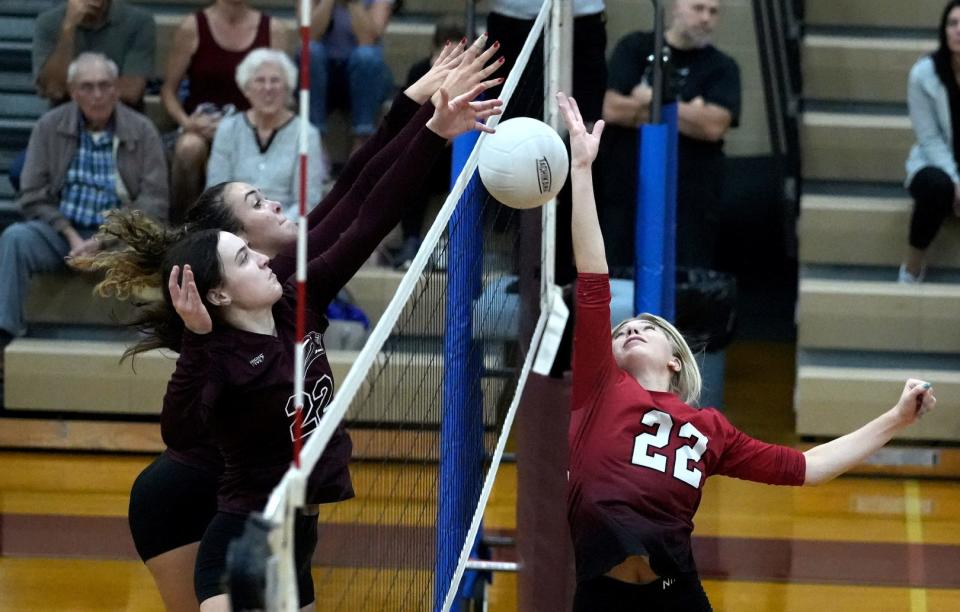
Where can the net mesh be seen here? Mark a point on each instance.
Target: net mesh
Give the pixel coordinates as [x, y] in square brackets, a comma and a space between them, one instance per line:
[435, 395]
[378, 550]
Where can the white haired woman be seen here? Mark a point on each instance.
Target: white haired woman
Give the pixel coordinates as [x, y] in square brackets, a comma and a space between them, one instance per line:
[260, 146]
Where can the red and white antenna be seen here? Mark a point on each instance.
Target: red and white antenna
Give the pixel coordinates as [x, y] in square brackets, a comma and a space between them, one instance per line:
[302, 228]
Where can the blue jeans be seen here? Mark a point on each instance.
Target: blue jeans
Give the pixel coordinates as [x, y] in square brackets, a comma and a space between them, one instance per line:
[360, 84]
[26, 249]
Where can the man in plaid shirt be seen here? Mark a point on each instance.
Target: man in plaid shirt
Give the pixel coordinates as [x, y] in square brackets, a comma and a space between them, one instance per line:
[84, 158]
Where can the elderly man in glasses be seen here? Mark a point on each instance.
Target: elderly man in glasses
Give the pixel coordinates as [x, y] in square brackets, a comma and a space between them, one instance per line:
[85, 158]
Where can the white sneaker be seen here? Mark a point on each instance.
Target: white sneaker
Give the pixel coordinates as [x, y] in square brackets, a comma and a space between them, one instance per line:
[906, 278]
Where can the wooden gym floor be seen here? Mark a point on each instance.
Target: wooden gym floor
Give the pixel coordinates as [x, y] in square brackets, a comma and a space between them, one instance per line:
[871, 544]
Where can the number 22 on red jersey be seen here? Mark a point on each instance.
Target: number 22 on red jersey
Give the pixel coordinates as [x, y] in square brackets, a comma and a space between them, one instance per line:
[645, 445]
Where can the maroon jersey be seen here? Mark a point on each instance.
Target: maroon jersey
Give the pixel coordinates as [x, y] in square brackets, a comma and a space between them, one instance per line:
[639, 458]
[250, 402]
[245, 392]
[185, 434]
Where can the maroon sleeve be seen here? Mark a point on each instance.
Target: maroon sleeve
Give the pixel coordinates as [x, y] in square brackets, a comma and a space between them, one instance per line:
[401, 112]
[395, 191]
[325, 234]
[750, 459]
[181, 420]
[592, 349]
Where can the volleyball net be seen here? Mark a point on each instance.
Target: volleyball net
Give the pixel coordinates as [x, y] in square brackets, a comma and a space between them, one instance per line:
[429, 400]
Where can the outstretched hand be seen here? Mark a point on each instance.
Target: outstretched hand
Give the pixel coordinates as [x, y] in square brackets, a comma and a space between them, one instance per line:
[186, 301]
[453, 117]
[457, 68]
[916, 400]
[472, 71]
[583, 144]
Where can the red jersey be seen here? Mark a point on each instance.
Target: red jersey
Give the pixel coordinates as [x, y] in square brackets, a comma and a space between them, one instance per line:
[639, 458]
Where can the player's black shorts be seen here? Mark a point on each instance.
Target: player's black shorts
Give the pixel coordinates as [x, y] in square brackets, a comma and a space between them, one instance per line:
[605, 594]
[171, 504]
[208, 576]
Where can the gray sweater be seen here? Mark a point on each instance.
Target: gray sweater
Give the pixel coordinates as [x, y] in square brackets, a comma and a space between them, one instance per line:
[236, 156]
[930, 116]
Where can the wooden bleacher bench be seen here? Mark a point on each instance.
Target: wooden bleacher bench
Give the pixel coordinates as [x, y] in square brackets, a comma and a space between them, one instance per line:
[837, 229]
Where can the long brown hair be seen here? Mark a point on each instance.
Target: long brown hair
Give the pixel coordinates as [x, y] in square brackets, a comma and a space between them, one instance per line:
[142, 266]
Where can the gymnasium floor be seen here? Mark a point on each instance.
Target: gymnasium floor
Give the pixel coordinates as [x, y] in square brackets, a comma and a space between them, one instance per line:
[870, 544]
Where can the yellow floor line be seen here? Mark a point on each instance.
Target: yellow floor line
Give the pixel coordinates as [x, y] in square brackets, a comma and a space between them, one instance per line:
[914, 520]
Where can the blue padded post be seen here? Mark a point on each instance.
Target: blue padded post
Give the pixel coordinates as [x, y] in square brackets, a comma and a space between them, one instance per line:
[669, 293]
[650, 219]
[461, 429]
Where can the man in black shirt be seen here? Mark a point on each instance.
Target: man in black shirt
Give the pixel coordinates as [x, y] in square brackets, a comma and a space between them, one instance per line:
[708, 85]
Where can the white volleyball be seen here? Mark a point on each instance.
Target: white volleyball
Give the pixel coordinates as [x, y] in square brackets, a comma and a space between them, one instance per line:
[524, 164]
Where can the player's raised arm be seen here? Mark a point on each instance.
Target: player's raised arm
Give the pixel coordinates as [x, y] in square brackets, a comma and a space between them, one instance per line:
[587, 239]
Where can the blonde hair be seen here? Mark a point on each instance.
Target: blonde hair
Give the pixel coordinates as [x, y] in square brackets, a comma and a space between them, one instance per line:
[687, 383]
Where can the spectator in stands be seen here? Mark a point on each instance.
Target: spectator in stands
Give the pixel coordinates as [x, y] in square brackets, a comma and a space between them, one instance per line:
[509, 23]
[125, 34]
[260, 146]
[347, 69]
[207, 48]
[446, 30]
[708, 85]
[932, 177]
[86, 157]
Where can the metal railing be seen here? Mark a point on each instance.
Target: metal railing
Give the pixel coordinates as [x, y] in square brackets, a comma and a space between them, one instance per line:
[777, 25]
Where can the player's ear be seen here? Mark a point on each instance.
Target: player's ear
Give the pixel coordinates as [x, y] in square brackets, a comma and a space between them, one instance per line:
[675, 365]
[218, 297]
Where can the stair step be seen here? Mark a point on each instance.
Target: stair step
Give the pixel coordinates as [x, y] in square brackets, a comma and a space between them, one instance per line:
[85, 377]
[866, 231]
[831, 401]
[877, 315]
[14, 28]
[23, 105]
[877, 13]
[17, 82]
[860, 68]
[67, 299]
[840, 146]
[26, 8]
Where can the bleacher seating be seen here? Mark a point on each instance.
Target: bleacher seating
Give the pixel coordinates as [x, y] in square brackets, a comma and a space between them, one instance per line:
[860, 333]
[65, 388]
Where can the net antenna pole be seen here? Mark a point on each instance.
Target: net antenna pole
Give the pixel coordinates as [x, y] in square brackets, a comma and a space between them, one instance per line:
[656, 104]
[285, 597]
[558, 76]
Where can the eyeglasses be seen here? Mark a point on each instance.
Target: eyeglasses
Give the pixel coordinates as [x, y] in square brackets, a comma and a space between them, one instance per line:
[88, 87]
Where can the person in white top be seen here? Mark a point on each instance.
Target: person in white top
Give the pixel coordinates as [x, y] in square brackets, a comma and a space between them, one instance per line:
[260, 146]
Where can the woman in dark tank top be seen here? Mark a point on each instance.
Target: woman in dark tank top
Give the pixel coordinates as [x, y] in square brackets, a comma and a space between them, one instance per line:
[206, 49]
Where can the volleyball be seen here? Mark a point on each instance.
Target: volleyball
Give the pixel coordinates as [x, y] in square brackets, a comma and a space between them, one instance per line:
[524, 164]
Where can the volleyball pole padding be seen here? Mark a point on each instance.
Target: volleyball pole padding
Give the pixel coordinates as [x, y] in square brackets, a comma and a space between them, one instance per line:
[461, 429]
